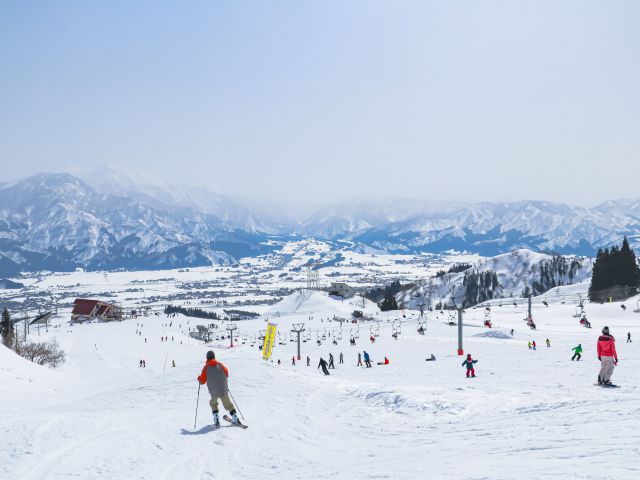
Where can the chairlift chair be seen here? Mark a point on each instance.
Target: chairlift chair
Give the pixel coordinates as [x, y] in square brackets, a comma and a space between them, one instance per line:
[637, 310]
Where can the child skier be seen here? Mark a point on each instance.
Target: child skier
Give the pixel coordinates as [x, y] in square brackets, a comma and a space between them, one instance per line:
[607, 355]
[469, 364]
[578, 353]
[215, 375]
[359, 360]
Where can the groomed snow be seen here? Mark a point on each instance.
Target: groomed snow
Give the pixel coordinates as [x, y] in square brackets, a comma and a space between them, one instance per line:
[528, 414]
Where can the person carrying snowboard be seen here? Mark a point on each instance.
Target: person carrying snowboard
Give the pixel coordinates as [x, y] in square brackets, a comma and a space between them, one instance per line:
[323, 364]
[578, 353]
[607, 355]
[469, 364]
[215, 375]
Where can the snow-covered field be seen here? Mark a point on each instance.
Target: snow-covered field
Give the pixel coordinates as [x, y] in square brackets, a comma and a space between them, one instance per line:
[528, 414]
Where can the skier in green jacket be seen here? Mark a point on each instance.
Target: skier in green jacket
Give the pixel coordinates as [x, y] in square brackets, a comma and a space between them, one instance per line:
[578, 353]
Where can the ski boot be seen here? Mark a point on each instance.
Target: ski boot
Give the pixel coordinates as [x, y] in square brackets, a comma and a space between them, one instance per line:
[599, 380]
[234, 418]
[216, 420]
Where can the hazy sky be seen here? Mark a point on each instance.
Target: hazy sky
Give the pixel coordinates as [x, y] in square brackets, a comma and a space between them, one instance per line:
[317, 101]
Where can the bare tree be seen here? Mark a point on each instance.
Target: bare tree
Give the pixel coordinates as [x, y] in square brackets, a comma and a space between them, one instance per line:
[42, 353]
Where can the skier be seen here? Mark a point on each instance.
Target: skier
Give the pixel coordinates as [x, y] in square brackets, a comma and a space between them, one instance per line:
[529, 344]
[469, 364]
[578, 353]
[341, 358]
[140, 364]
[607, 356]
[293, 360]
[323, 364]
[533, 344]
[359, 360]
[628, 337]
[173, 363]
[331, 365]
[367, 360]
[372, 338]
[512, 332]
[548, 343]
[215, 375]
[386, 361]
[308, 361]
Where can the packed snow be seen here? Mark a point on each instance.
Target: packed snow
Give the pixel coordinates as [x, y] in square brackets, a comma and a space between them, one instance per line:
[527, 413]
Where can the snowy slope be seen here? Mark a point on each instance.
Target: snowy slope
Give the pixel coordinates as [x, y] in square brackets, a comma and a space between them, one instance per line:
[516, 271]
[527, 411]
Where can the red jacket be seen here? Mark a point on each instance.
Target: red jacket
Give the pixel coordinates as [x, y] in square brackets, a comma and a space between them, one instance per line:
[607, 347]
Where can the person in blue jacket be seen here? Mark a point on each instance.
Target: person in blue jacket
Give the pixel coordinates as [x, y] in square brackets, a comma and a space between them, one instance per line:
[469, 364]
[367, 360]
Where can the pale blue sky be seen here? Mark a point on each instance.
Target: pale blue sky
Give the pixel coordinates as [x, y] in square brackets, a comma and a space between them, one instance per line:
[320, 101]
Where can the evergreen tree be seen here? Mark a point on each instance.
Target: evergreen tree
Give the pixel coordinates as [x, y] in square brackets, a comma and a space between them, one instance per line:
[389, 303]
[615, 267]
[6, 329]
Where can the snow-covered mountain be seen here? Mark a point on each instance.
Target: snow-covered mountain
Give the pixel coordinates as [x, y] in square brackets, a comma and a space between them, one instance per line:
[118, 220]
[514, 273]
[58, 222]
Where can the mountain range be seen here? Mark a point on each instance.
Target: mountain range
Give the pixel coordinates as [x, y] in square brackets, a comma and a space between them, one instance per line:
[109, 219]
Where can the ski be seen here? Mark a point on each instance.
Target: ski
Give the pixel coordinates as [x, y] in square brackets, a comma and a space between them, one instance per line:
[606, 386]
[239, 424]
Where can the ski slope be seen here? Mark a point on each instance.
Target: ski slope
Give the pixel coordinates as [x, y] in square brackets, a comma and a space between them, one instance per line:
[528, 414]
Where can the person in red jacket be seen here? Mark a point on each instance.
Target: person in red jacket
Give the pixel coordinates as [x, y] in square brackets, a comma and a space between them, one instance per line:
[607, 355]
[215, 375]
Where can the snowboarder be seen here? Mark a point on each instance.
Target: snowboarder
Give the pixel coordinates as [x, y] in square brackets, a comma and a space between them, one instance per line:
[331, 365]
[215, 375]
[323, 364]
[386, 361]
[359, 360]
[469, 364]
[578, 353]
[367, 360]
[628, 337]
[308, 361]
[607, 356]
[341, 358]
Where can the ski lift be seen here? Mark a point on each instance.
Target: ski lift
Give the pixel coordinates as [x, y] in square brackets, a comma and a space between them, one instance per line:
[340, 335]
[452, 318]
[396, 328]
[374, 331]
[422, 325]
[309, 336]
[487, 317]
[579, 311]
[637, 310]
[324, 333]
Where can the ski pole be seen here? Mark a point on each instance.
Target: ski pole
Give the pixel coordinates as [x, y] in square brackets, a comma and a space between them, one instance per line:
[197, 402]
[236, 404]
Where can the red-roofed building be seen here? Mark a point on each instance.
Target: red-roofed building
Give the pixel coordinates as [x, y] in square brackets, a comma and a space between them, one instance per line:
[85, 310]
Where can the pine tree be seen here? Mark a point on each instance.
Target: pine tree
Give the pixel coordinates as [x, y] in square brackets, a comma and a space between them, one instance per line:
[6, 329]
[389, 303]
